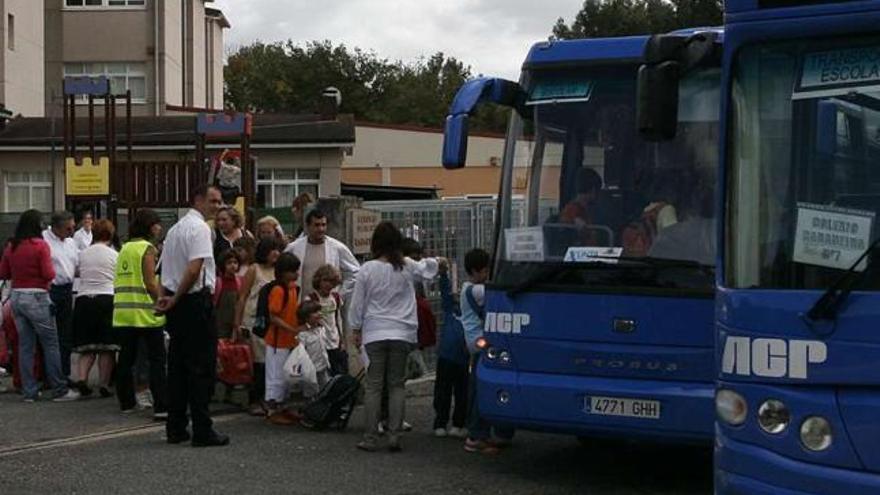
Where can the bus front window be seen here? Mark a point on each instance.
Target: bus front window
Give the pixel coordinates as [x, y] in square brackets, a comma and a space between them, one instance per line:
[805, 179]
[596, 192]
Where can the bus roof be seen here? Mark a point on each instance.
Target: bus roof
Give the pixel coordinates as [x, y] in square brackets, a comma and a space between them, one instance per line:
[796, 8]
[622, 50]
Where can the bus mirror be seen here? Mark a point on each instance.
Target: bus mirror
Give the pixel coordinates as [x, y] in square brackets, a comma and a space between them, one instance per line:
[472, 94]
[455, 141]
[826, 128]
[657, 110]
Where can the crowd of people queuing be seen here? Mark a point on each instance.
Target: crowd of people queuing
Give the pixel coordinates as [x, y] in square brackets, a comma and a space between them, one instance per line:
[169, 298]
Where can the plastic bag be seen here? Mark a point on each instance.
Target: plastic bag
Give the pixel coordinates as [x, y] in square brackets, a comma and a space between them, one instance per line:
[299, 369]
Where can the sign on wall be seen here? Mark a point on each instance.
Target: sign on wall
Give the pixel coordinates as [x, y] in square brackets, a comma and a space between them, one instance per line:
[362, 223]
[87, 178]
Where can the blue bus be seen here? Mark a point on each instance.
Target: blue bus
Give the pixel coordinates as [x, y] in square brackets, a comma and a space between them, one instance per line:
[798, 312]
[600, 309]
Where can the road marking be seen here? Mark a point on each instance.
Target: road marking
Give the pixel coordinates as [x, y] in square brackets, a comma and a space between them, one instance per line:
[99, 436]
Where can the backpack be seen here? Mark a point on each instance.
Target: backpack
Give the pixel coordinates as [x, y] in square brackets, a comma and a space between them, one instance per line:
[333, 405]
[472, 301]
[263, 319]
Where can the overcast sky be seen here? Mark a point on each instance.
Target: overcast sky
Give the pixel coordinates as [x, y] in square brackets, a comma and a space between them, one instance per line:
[492, 36]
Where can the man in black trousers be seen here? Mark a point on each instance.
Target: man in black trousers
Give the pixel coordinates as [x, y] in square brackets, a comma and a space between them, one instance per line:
[188, 277]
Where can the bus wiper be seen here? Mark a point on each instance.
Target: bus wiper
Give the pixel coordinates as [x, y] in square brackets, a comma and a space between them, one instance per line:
[827, 307]
[543, 273]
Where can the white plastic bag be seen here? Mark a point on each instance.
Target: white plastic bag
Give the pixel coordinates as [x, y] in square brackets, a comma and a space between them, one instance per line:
[299, 369]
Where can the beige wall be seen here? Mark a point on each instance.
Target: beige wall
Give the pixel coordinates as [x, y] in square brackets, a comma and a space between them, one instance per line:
[21, 69]
[196, 74]
[400, 147]
[171, 52]
[214, 65]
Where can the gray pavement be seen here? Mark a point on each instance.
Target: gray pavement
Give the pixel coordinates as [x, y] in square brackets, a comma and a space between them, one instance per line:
[89, 447]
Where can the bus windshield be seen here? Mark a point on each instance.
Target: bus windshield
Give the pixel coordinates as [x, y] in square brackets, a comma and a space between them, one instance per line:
[600, 199]
[804, 158]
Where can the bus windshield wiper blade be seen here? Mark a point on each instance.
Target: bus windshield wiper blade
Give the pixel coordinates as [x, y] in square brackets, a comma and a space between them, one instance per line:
[827, 307]
[543, 273]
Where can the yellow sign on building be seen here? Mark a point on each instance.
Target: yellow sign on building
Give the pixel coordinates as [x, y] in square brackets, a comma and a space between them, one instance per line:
[87, 178]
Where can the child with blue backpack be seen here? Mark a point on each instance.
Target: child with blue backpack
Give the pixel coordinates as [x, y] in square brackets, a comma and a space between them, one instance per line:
[473, 316]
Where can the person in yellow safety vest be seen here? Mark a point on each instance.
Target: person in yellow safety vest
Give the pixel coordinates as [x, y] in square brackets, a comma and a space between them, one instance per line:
[136, 290]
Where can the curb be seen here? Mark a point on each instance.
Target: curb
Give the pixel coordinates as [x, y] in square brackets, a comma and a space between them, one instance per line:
[421, 387]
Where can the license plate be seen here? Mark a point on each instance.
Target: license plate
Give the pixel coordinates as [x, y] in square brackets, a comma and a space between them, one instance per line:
[618, 406]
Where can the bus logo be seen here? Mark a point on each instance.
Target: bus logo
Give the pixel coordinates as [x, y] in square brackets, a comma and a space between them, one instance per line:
[507, 322]
[771, 358]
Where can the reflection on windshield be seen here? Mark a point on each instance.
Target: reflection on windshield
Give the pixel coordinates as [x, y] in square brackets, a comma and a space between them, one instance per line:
[804, 155]
[591, 181]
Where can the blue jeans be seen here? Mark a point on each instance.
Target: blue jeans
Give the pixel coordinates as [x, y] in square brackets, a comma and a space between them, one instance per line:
[34, 319]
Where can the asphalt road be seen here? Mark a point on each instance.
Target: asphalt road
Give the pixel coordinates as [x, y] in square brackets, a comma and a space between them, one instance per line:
[89, 447]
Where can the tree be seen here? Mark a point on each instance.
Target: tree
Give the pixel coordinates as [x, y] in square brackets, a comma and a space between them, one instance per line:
[286, 77]
[606, 18]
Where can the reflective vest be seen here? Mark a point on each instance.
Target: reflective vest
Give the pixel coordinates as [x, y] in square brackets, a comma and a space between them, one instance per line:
[132, 303]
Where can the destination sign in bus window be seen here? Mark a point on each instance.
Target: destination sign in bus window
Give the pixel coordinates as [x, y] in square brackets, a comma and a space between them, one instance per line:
[838, 72]
[560, 90]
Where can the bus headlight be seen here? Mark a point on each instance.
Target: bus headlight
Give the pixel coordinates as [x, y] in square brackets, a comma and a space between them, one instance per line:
[731, 407]
[773, 416]
[816, 433]
[492, 353]
[504, 357]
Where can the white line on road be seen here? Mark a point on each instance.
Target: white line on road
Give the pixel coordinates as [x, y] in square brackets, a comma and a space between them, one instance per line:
[96, 437]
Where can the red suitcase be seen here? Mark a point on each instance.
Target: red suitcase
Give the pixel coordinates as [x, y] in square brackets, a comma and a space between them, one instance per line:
[235, 365]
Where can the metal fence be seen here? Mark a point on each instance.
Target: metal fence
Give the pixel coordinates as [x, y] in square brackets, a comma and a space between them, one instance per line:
[448, 228]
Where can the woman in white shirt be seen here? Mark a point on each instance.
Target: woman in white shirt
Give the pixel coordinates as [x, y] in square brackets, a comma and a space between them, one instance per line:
[83, 236]
[383, 319]
[93, 337]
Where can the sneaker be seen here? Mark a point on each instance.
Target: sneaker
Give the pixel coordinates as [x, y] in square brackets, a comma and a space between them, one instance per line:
[160, 416]
[29, 400]
[457, 432]
[129, 411]
[83, 388]
[381, 428]
[479, 446]
[406, 426]
[500, 443]
[71, 395]
[144, 399]
[105, 393]
[281, 419]
[3, 371]
[367, 446]
[257, 410]
[440, 432]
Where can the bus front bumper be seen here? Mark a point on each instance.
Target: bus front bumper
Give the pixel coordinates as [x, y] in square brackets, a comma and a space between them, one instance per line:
[744, 469]
[557, 404]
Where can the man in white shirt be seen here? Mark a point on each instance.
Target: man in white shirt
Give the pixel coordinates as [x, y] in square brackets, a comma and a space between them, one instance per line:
[65, 260]
[316, 249]
[188, 277]
[83, 236]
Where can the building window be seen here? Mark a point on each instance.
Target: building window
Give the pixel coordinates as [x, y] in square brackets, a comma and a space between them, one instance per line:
[277, 187]
[26, 190]
[10, 32]
[98, 4]
[123, 76]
